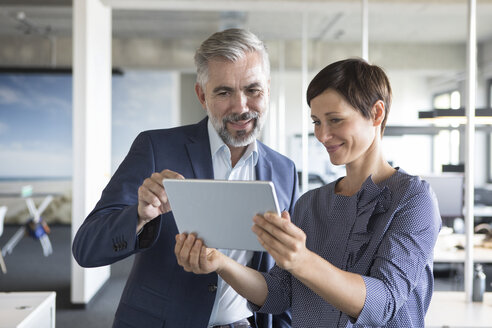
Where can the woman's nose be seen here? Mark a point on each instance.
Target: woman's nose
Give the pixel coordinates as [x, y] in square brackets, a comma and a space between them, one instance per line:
[322, 133]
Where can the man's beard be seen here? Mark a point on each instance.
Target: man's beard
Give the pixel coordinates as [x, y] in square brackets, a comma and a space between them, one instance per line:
[242, 138]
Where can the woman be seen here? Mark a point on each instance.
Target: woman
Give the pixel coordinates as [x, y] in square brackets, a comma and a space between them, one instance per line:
[358, 251]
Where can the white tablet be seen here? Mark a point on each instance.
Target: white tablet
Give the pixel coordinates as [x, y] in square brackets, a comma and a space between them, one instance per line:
[221, 212]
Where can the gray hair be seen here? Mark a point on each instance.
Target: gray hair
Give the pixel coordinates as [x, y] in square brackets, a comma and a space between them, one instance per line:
[231, 44]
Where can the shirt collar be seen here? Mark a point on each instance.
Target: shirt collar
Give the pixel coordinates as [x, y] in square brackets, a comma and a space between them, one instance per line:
[217, 144]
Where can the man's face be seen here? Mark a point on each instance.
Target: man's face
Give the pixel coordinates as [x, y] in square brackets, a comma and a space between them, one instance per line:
[236, 98]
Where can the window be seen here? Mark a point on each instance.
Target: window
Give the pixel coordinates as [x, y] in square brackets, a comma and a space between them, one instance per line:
[446, 149]
[36, 118]
[446, 100]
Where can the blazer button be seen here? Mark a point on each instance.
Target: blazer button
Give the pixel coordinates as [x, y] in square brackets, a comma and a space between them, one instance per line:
[212, 288]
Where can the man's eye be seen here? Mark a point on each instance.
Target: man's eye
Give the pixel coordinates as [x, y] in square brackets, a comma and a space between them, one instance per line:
[223, 93]
[254, 91]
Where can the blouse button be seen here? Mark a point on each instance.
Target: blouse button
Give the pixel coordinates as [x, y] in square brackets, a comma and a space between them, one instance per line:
[212, 288]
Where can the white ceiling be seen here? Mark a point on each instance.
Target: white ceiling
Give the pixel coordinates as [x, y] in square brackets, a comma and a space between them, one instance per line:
[389, 21]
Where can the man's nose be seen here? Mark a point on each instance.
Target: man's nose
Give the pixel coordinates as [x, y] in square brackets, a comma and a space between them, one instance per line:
[240, 103]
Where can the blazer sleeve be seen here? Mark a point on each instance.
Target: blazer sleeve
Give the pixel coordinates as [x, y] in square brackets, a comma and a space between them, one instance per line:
[108, 234]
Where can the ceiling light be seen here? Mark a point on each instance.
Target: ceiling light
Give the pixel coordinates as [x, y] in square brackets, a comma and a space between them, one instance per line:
[456, 116]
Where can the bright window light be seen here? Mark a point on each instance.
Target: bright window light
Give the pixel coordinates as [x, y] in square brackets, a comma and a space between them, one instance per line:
[455, 100]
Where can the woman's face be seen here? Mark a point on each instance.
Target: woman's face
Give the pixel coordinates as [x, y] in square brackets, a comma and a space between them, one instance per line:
[346, 134]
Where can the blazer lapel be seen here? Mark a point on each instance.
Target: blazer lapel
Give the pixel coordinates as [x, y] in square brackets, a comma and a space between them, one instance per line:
[199, 152]
[264, 169]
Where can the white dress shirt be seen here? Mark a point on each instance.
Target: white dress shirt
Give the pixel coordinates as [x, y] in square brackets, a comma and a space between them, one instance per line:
[229, 306]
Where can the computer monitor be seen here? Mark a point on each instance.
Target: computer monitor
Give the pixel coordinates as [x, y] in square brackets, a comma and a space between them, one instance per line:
[449, 189]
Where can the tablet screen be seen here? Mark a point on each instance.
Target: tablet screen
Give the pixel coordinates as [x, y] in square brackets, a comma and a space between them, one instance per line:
[221, 212]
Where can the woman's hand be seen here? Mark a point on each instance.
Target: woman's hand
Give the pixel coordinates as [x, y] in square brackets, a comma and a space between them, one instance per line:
[194, 257]
[282, 239]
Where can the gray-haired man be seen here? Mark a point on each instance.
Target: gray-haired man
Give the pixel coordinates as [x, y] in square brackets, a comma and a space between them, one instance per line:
[133, 215]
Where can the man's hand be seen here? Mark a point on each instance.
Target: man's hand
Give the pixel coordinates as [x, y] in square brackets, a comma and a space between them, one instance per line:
[194, 257]
[152, 197]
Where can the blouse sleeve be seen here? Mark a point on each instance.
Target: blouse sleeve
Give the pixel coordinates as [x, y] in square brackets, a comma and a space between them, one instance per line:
[404, 256]
[279, 292]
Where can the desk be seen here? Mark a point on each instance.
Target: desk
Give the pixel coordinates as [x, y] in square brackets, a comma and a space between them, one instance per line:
[27, 310]
[449, 309]
[445, 250]
[482, 211]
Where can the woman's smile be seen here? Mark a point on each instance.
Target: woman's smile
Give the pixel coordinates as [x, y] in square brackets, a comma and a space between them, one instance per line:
[333, 148]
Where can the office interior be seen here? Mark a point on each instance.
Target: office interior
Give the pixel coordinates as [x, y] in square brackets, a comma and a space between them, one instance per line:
[422, 45]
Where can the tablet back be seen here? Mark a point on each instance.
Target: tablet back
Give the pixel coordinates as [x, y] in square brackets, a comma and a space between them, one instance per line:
[221, 212]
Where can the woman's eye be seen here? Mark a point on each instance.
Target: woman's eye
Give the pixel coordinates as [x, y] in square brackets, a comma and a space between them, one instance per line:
[335, 120]
[316, 122]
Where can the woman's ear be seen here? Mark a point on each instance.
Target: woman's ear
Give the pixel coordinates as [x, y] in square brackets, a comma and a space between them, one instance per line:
[378, 112]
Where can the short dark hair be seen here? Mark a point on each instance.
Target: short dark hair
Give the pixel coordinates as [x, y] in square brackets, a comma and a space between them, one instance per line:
[360, 83]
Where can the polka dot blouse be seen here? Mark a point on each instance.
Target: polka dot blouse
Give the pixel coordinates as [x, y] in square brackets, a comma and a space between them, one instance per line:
[386, 233]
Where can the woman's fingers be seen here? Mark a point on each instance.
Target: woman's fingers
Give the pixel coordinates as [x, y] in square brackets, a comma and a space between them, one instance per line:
[281, 238]
[192, 255]
[268, 241]
[180, 239]
[279, 227]
[184, 245]
[194, 258]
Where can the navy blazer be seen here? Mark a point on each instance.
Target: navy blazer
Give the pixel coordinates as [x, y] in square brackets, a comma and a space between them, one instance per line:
[158, 292]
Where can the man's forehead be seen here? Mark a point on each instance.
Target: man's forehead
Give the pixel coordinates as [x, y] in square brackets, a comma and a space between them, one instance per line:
[243, 76]
[250, 59]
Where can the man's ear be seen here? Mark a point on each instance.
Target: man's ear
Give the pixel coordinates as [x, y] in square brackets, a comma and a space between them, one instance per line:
[378, 112]
[200, 94]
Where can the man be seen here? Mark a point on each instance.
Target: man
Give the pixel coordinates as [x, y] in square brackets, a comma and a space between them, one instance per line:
[133, 215]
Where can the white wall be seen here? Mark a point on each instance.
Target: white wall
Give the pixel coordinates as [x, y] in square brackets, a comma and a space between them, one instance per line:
[191, 109]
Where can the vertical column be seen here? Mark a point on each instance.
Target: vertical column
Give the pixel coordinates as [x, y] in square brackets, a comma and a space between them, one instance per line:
[365, 30]
[281, 137]
[91, 127]
[304, 107]
[471, 80]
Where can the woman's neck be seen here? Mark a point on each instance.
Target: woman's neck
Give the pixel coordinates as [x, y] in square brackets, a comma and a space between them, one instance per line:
[357, 173]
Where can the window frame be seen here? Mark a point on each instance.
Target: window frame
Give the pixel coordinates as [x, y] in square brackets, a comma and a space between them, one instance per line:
[488, 142]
